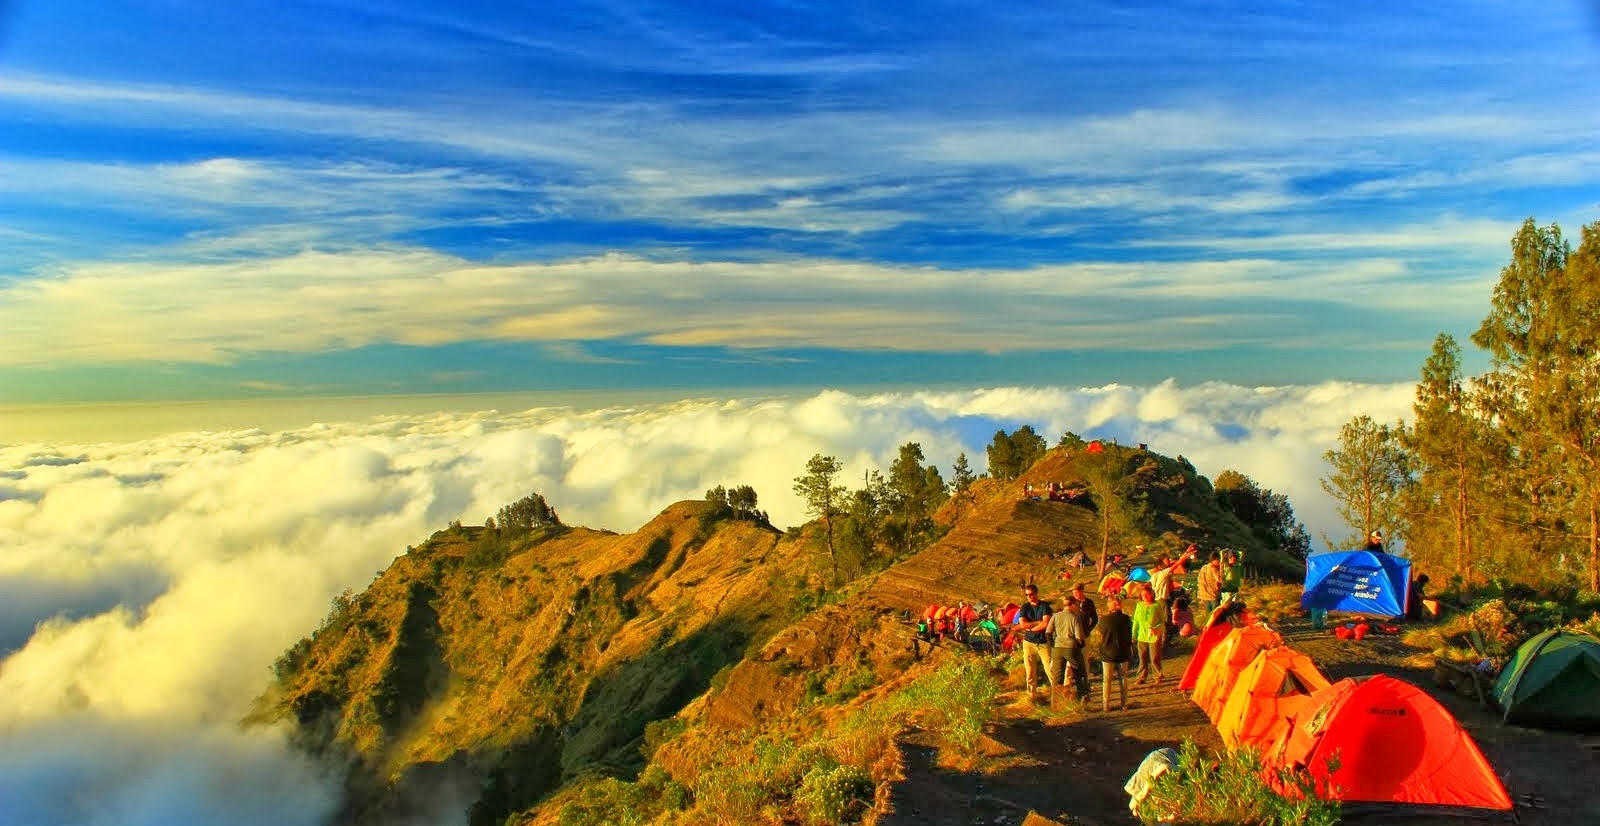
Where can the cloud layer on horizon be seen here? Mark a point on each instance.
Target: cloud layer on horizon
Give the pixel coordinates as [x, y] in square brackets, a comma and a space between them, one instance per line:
[167, 574]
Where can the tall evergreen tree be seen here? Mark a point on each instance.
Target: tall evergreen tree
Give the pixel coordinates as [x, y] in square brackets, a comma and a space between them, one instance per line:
[961, 479]
[1370, 472]
[1450, 445]
[823, 496]
[1543, 337]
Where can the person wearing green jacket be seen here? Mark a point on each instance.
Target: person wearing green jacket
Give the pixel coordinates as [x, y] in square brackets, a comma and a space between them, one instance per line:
[1149, 634]
[1232, 575]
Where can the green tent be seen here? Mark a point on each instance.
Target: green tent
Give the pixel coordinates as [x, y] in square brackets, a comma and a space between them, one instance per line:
[1553, 681]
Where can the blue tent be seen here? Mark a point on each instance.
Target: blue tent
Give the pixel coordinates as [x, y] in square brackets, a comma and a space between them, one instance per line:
[1358, 582]
[1138, 575]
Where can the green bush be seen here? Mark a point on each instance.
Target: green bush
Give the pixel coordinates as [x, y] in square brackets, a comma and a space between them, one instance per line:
[1230, 789]
[956, 701]
[834, 795]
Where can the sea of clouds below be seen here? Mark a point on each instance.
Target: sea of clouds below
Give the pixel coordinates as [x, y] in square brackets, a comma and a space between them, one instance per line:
[146, 587]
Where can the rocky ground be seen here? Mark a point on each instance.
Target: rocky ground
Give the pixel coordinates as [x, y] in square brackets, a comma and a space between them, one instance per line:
[1069, 762]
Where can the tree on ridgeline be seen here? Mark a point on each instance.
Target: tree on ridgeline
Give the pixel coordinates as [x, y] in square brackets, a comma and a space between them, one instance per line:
[1370, 472]
[1268, 515]
[1011, 454]
[823, 497]
[961, 479]
[915, 491]
[740, 501]
[526, 514]
[1121, 509]
[1543, 338]
[862, 526]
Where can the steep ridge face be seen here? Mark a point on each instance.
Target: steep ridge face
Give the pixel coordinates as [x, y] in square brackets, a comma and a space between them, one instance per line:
[1001, 539]
[479, 670]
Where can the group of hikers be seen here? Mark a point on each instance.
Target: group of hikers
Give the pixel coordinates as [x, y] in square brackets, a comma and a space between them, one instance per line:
[1140, 617]
[1053, 491]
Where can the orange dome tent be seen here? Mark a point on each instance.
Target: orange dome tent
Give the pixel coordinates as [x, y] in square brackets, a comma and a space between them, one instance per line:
[1224, 664]
[1394, 745]
[1267, 693]
[1203, 647]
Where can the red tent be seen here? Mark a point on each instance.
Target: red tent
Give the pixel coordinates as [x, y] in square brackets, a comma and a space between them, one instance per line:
[1394, 745]
[1095, 447]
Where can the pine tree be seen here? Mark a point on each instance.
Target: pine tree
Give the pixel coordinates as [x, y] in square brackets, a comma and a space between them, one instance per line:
[1449, 443]
[961, 479]
[1543, 337]
[823, 497]
[1371, 471]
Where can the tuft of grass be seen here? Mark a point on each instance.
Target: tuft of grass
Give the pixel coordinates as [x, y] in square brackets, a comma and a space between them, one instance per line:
[1231, 789]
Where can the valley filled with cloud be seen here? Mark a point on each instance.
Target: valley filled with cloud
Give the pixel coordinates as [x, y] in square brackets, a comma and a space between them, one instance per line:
[146, 587]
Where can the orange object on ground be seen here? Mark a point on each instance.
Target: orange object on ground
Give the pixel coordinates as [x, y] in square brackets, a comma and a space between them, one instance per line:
[1268, 691]
[1362, 631]
[1394, 744]
[1208, 641]
[1226, 661]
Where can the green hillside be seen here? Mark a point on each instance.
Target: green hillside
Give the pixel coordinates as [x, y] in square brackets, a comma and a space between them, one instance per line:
[514, 675]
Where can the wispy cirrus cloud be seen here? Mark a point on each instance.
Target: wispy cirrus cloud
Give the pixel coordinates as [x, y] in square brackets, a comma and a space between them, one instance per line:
[314, 302]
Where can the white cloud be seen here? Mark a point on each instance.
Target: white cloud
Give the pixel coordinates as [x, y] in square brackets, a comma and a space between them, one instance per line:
[315, 301]
[242, 538]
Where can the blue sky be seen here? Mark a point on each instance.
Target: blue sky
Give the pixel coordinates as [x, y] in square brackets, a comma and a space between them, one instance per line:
[223, 200]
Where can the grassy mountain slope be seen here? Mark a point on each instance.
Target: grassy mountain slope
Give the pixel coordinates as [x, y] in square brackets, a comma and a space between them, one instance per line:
[475, 662]
[488, 672]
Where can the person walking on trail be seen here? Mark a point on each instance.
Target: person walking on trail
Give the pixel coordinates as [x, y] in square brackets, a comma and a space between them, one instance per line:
[1208, 589]
[1232, 574]
[1149, 634]
[1032, 621]
[1067, 664]
[1116, 648]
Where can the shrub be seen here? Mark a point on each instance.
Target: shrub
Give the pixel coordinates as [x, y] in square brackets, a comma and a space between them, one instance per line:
[956, 701]
[834, 795]
[1231, 788]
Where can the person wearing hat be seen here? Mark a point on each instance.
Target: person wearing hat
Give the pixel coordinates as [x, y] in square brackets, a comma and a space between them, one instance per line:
[1375, 541]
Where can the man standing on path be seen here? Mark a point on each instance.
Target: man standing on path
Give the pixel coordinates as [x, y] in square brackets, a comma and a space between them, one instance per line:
[1116, 648]
[1032, 621]
[1209, 589]
[1086, 608]
[1067, 661]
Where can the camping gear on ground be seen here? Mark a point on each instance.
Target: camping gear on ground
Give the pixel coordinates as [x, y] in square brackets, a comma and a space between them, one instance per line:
[1319, 618]
[1112, 584]
[1081, 560]
[1552, 682]
[985, 637]
[1394, 743]
[1266, 694]
[1364, 582]
[1138, 575]
[1224, 664]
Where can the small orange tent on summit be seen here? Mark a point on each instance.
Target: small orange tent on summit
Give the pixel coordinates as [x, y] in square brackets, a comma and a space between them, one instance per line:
[1224, 664]
[1393, 743]
[1267, 693]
